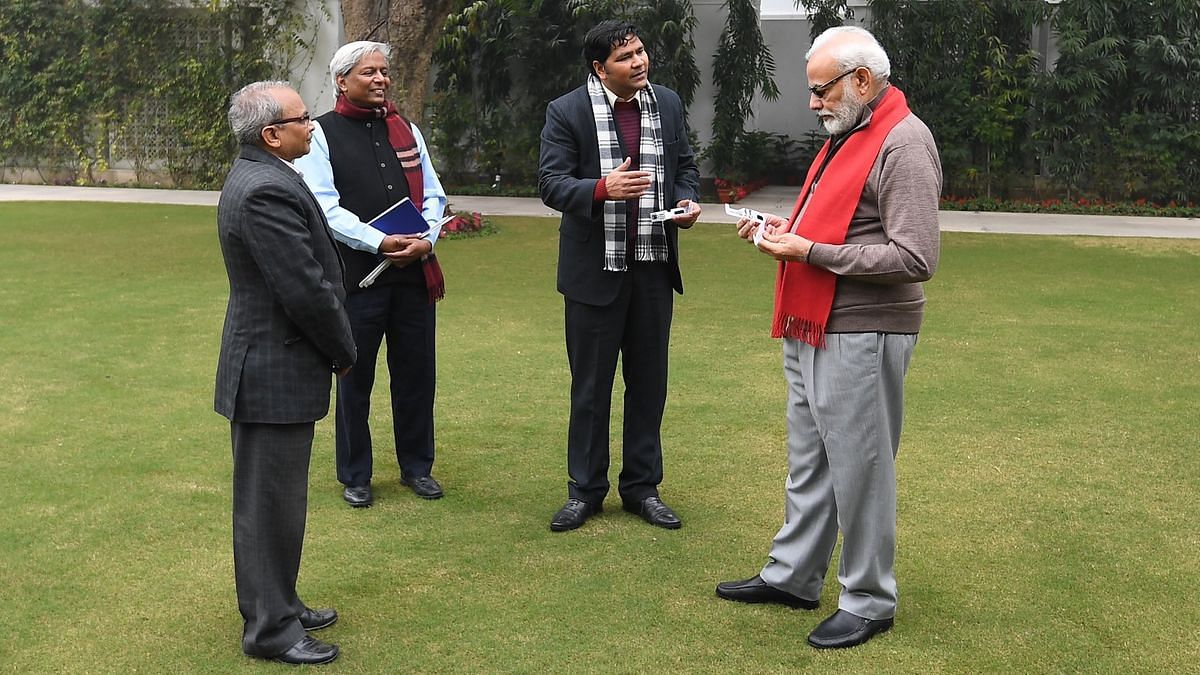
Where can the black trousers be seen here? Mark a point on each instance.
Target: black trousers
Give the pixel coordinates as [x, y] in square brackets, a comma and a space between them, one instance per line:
[637, 326]
[270, 498]
[402, 314]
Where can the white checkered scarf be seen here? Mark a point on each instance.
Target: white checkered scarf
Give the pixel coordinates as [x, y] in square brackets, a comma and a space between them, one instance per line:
[651, 241]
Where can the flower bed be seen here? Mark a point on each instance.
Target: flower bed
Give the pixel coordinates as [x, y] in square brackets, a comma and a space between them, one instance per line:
[466, 224]
[1079, 206]
[729, 192]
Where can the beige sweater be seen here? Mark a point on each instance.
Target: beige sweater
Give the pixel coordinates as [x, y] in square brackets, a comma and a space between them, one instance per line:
[893, 241]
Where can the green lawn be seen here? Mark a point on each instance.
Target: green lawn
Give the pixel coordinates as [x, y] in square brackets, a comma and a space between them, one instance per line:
[1049, 487]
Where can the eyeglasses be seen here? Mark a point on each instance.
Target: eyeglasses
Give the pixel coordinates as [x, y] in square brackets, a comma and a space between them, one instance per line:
[821, 90]
[306, 118]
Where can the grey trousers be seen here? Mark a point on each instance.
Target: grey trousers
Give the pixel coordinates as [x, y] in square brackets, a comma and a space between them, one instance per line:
[845, 408]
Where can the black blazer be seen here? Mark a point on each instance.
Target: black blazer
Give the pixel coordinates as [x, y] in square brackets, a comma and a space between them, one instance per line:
[286, 327]
[568, 170]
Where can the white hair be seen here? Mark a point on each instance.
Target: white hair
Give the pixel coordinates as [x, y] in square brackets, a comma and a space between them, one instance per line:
[349, 54]
[253, 108]
[864, 52]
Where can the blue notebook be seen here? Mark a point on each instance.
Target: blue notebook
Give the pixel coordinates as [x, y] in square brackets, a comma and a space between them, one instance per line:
[400, 218]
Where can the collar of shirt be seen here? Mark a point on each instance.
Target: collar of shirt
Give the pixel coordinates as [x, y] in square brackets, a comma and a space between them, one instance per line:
[613, 98]
[291, 166]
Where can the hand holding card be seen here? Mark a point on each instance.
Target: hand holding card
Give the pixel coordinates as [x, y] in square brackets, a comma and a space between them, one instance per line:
[668, 214]
[752, 215]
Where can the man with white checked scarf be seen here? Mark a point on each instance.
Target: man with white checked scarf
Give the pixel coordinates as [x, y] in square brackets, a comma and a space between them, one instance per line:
[614, 151]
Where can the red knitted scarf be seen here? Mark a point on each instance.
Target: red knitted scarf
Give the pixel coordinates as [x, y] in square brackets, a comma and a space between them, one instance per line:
[404, 143]
[803, 292]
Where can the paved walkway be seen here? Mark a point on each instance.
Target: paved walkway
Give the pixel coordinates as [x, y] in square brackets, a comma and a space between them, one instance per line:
[772, 199]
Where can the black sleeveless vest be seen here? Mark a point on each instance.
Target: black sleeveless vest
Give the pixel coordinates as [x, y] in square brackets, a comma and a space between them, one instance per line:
[369, 179]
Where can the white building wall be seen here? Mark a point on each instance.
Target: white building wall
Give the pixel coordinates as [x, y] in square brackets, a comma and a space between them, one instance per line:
[310, 71]
[710, 18]
[789, 114]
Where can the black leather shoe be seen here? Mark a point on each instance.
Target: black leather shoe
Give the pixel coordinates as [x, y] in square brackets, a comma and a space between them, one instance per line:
[844, 629]
[654, 511]
[573, 514]
[358, 496]
[755, 590]
[425, 487]
[316, 619]
[309, 651]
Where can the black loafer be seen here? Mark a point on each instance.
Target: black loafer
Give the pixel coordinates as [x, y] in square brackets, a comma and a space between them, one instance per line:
[425, 487]
[755, 590]
[316, 619]
[358, 496]
[654, 511]
[573, 514]
[844, 629]
[309, 651]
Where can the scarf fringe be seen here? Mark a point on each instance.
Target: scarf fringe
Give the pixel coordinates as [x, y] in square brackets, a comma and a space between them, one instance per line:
[435, 281]
[804, 293]
[796, 328]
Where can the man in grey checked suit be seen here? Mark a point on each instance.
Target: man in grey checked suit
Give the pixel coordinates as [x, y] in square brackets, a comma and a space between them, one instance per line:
[286, 331]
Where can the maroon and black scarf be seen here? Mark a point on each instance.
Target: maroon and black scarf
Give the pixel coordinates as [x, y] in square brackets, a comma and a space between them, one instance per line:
[403, 142]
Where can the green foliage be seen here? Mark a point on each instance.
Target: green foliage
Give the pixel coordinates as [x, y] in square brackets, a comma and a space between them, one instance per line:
[59, 78]
[84, 84]
[500, 62]
[1120, 114]
[784, 159]
[825, 14]
[775, 157]
[968, 71]
[742, 67]
[1117, 115]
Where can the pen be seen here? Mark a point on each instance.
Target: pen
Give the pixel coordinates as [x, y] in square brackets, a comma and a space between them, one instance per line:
[370, 278]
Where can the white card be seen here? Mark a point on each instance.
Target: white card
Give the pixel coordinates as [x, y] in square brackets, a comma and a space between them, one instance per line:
[750, 214]
[668, 214]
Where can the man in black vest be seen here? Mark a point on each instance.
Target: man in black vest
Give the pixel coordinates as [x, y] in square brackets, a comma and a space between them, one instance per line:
[365, 158]
[614, 151]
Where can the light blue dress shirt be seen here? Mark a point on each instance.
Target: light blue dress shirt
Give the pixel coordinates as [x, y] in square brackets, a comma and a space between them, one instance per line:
[347, 228]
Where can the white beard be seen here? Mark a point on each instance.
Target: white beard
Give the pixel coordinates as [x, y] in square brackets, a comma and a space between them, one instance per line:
[845, 117]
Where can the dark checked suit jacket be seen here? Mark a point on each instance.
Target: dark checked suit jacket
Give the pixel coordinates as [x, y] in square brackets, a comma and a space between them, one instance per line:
[286, 329]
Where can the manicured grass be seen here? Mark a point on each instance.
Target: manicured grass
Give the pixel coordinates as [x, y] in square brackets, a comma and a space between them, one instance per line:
[1049, 491]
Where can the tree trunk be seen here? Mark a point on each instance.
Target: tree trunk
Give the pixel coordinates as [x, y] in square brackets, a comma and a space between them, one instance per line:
[412, 28]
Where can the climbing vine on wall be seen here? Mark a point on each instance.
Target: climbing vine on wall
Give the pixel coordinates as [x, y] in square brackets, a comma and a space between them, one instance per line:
[86, 85]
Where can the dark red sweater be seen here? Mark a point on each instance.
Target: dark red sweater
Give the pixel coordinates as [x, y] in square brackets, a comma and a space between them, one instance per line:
[629, 129]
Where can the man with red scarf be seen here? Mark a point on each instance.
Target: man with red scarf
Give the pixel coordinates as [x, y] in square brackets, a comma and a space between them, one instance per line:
[366, 157]
[848, 304]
